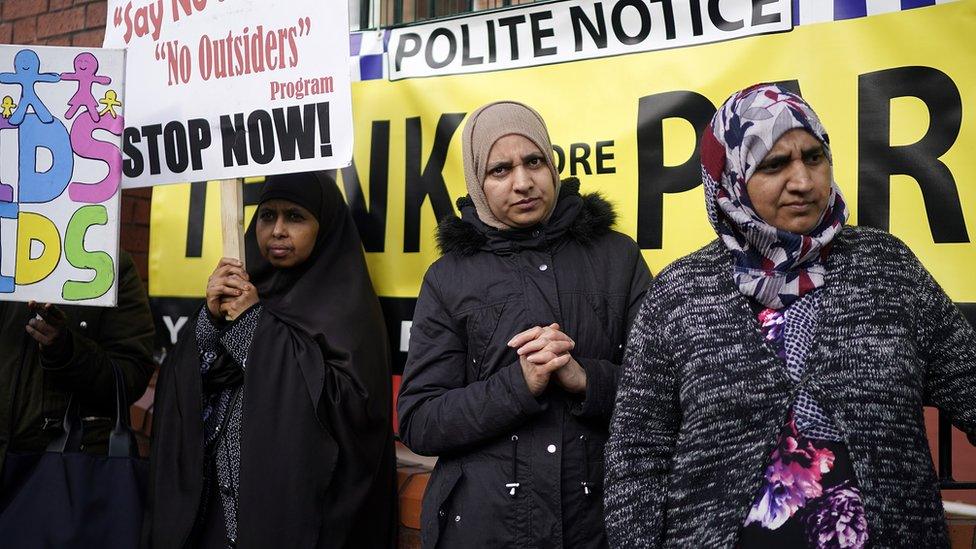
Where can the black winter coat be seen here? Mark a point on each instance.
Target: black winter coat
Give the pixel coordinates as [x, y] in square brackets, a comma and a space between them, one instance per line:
[34, 391]
[464, 398]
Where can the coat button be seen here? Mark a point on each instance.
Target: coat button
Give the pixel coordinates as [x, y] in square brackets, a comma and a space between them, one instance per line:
[82, 324]
[457, 518]
[543, 267]
[225, 489]
[536, 232]
[441, 513]
[551, 448]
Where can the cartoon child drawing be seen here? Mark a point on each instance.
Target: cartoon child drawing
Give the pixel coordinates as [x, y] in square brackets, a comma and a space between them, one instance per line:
[7, 106]
[26, 67]
[86, 67]
[110, 101]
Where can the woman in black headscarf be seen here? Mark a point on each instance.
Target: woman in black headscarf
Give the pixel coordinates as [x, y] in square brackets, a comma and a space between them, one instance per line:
[273, 429]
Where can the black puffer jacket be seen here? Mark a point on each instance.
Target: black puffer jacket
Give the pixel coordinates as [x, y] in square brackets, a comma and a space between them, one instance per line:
[464, 398]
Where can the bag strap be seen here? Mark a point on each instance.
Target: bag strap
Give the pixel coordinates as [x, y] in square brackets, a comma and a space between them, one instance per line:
[121, 441]
[72, 430]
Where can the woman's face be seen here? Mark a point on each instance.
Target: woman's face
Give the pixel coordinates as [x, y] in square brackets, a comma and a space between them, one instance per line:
[286, 232]
[518, 183]
[790, 187]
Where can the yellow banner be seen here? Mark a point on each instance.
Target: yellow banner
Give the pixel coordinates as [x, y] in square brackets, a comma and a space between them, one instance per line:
[897, 92]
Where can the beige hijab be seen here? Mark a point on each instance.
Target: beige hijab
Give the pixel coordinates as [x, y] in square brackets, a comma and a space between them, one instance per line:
[489, 124]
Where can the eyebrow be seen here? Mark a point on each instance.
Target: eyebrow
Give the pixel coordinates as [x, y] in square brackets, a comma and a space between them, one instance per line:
[812, 150]
[805, 153]
[499, 164]
[508, 164]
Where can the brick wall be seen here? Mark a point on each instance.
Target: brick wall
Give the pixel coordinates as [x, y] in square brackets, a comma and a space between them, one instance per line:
[78, 23]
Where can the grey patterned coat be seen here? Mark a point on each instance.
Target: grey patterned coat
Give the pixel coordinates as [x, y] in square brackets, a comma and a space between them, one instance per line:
[702, 396]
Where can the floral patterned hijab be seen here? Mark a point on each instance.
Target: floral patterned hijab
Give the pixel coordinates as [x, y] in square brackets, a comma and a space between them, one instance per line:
[772, 266]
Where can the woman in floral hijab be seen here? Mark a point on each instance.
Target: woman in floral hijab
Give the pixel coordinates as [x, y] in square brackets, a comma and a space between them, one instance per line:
[773, 385]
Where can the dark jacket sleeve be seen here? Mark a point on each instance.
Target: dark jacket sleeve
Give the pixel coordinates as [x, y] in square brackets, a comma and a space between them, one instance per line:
[643, 433]
[125, 338]
[602, 375]
[439, 411]
[947, 343]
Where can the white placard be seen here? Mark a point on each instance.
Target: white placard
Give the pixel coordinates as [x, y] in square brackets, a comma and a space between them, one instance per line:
[232, 88]
[60, 169]
[557, 32]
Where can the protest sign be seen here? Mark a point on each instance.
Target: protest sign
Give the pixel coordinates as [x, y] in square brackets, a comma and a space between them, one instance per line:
[61, 118]
[895, 90]
[228, 89]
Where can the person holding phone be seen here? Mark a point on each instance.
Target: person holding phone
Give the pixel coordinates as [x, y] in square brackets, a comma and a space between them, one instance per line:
[50, 352]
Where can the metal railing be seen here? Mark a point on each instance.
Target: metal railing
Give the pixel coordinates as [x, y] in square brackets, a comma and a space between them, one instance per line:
[392, 13]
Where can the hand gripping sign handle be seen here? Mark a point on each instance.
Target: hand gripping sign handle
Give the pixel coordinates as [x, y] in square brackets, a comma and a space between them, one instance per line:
[232, 218]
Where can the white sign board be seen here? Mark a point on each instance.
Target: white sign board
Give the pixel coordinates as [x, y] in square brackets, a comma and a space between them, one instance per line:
[60, 170]
[558, 32]
[232, 88]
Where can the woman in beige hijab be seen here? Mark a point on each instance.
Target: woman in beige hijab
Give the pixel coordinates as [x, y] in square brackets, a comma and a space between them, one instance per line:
[515, 347]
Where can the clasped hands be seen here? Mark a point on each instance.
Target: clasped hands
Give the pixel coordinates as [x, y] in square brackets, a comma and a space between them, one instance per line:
[229, 290]
[544, 353]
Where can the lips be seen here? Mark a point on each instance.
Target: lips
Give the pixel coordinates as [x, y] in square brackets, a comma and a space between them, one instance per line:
[278, 251]
[798, 206]
[527, 204]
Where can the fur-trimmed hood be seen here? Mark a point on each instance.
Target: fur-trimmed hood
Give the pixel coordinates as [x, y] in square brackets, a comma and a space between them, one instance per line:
[579, 217]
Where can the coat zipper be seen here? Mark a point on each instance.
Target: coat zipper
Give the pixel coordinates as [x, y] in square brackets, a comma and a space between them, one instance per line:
[512, 486]
[586, 484]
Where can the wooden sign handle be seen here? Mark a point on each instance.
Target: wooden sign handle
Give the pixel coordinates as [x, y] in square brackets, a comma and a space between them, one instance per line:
[232, 217]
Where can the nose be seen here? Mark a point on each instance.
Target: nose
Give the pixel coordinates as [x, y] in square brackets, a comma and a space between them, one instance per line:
[279, 230]
[799, 176]
[522, 180]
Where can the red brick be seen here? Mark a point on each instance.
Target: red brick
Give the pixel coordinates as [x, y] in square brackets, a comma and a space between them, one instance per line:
[61, 22]
[25, 31]
[6, 33]
[16, 9]
[141, 261]
[141, 192]
[413, 483]
[142, 265]
[95, 15]
[135, 238]
[140, 211]
[88, 39]
[56, 5]
[135, 210]
[59, 41]
[125, 212]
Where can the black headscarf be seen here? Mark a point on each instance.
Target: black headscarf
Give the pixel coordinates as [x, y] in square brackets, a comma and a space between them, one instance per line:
[330, 294]
[317, 455]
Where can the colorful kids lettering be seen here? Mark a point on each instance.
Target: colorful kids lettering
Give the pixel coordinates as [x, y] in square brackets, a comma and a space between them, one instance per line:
[55, 233]
[7, 106]
[86, 67]
[26, 74]
[110, 101]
